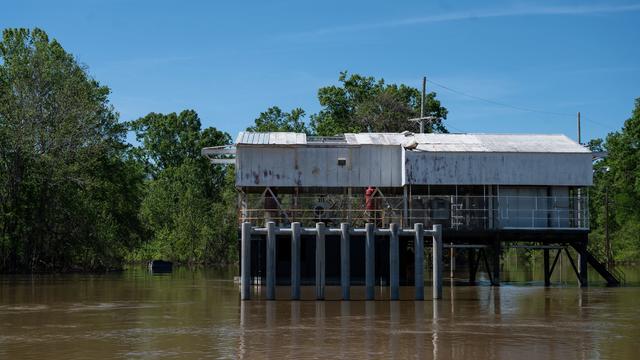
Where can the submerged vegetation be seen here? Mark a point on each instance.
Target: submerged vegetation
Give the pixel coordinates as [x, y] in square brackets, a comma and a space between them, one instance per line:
[75, 195]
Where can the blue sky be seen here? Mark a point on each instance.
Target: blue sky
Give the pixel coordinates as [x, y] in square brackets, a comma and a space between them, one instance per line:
[230, 60]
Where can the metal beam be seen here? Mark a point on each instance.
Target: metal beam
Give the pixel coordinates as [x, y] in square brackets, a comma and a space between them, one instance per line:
[547, 273]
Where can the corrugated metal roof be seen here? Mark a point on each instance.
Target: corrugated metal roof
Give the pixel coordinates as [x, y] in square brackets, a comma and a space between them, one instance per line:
[271, 138]
[533, 143]
[524, 143]
[473, 142]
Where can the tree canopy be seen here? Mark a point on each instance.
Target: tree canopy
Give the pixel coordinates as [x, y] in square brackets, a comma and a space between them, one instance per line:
[179, 205]
[619, 175]
[358, 104]
[274, 119]
[69, 191]
[364, 104]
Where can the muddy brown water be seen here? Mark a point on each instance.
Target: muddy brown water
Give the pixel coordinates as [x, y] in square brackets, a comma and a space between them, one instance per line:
[198, 314]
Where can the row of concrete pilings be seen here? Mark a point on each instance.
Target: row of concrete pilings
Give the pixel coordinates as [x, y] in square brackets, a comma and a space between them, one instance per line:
[345, 232]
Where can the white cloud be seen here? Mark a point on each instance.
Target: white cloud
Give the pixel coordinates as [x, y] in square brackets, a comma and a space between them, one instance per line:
[474, 14]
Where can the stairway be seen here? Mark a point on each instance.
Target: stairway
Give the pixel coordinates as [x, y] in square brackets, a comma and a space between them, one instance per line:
[598, 266]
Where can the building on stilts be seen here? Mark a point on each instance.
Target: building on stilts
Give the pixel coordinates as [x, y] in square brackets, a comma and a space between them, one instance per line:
[377, 209]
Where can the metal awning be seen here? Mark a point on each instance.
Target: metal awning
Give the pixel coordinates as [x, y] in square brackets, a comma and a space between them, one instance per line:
[220, 155]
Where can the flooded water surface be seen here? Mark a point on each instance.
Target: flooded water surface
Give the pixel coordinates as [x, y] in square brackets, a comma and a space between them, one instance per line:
[198, 314]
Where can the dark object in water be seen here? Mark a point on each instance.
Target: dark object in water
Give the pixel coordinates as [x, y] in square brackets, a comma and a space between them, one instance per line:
[160, 266]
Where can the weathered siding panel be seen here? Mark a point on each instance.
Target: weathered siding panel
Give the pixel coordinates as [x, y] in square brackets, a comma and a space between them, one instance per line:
[498, 168]
[317, 166]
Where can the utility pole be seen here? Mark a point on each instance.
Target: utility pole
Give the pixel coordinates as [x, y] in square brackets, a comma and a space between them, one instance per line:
[424, 89]
[420, 120]
[579, 135]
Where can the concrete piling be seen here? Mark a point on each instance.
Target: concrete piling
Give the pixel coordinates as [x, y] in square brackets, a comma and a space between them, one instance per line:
[394, 261]
[345, 263]
[320, 260]
[370, 261]
[437, 261]
[369, 232]
[245, 269]
[295, 261]
[271, 260]
[418, 248]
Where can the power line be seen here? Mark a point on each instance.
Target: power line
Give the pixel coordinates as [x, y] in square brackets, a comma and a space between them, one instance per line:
[605, 126]
[500, 103]
[608, 127]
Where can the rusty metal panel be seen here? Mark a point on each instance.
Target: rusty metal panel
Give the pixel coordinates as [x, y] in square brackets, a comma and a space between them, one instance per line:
[318, 166]
[458, 168]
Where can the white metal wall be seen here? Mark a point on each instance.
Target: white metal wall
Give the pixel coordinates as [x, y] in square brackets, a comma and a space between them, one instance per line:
[481, 168]
[317, 166]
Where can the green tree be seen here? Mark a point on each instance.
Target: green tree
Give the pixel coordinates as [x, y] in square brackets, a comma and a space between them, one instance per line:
[181, 207]
[274, 119]
[69, 190]
[619, 174]
[364, 104]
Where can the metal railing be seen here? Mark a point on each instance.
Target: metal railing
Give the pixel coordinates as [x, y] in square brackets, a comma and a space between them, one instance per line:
[458, 212]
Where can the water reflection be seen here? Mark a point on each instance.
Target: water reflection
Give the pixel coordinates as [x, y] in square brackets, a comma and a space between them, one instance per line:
[199, 314]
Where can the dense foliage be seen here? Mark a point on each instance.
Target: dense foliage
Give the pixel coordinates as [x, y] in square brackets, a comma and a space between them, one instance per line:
[187, 202]
[69, 191]
[359, 104]
[364, 104]
[619, 175]
[274, 119]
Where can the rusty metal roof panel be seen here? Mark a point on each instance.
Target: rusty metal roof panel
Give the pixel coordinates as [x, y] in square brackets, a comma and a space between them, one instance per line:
[375, 139]
[521, 143]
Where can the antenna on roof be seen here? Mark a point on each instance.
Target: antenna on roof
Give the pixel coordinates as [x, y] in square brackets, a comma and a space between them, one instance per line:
[422, 118]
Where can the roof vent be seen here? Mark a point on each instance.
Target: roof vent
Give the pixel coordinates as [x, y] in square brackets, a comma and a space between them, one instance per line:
[411, 144]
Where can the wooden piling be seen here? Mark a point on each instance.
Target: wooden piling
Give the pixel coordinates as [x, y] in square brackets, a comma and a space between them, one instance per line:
[370, 261]
[437, 261]
[245, 268]
[295, 261]
[345, 263]
[394, 261]
[320, 260]
[271, 260]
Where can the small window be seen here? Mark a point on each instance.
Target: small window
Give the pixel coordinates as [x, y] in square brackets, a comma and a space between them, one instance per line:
[342, 161]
